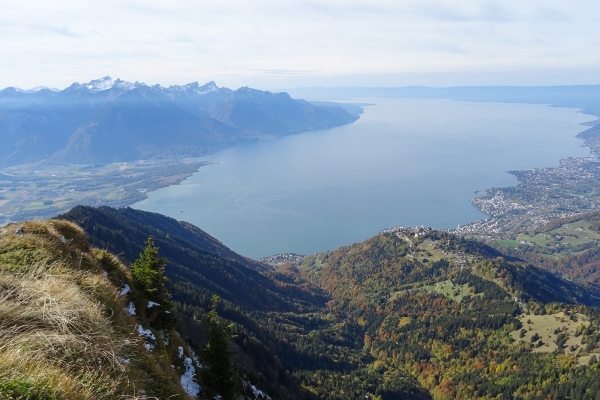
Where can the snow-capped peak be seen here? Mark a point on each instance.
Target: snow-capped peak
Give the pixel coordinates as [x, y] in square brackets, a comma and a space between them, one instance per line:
[98, 85]
[195, 88]
[209, 87]
[36, 89]
[106, 83]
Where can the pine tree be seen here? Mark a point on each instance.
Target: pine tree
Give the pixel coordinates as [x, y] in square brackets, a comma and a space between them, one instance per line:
[148, 272]
[218, 376]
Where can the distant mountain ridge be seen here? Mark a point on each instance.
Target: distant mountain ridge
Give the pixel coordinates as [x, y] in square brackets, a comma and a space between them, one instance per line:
[108, 120]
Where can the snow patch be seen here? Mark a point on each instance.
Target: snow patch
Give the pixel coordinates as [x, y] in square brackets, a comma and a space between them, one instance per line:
[153, 304]
[165, 337]
[187, 379]
[124, 361]
[126, 289]
[259, 394]
[130, 308]
[146, 332]
[106, 83]
[63, 240]
[125, 85]
[196, 359]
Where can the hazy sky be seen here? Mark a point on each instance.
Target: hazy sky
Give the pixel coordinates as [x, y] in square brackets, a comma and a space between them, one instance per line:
[277, 44]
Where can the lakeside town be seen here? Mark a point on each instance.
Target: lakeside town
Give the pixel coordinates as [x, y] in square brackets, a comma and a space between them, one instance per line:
[542, 194]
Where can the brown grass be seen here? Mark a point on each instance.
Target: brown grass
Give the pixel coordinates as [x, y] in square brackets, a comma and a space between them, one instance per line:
[63, 328]
[62, 325]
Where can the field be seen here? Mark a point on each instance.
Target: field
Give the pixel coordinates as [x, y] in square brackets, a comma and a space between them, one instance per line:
[41, 191]
[451, 291]
[547, 329]
[431, 251]
[570, 234]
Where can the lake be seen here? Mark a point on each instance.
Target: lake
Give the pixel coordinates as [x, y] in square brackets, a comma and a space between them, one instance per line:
[404, 162]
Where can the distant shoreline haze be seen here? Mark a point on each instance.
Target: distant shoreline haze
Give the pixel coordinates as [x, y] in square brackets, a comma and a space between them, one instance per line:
[580, 96]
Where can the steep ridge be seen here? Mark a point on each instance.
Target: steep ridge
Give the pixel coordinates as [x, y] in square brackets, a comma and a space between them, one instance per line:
[406, 314]
[195, 258]
[109, 120]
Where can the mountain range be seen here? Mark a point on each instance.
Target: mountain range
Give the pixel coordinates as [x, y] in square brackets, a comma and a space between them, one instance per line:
[109, 120]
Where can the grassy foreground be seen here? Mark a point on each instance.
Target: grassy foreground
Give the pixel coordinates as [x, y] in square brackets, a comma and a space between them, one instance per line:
[65, 332]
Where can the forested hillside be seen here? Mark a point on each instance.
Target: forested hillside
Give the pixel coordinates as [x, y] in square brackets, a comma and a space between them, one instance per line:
[406, 314]
[461, 318]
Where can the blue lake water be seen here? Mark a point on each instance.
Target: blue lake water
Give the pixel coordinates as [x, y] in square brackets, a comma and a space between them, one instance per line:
[404, 162]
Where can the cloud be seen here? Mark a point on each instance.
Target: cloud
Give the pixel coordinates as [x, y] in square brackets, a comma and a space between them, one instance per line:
[55, 43]
[60, 30]
[445, 47]
[488, 12]
[545, 14]
[287, 72]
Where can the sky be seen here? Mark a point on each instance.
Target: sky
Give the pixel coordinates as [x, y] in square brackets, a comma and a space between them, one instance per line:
[284, 44]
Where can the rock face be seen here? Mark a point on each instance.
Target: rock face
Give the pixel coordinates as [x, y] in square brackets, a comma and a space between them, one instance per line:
[109, 120]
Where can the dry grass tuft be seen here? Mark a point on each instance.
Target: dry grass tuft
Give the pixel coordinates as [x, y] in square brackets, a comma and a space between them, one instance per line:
[62, 325]
[64, 333]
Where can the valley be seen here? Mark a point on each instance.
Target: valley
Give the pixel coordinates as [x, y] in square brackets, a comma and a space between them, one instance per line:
[42, 191]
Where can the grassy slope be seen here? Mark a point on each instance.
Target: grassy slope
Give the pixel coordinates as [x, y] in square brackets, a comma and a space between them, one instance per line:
[64, 331]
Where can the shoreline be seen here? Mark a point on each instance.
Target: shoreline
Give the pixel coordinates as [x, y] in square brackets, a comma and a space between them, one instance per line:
[499, 223]
[171, 208]
[541, 194]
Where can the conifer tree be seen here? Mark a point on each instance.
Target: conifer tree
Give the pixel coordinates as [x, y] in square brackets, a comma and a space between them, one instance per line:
[148, 272]
[218, 377]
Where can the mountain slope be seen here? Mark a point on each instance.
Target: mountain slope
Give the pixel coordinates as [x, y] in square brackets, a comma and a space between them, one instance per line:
[387, 262]
[107, 120]
[194, 256]
[466, 321]
[404, 315]
[282, 322]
